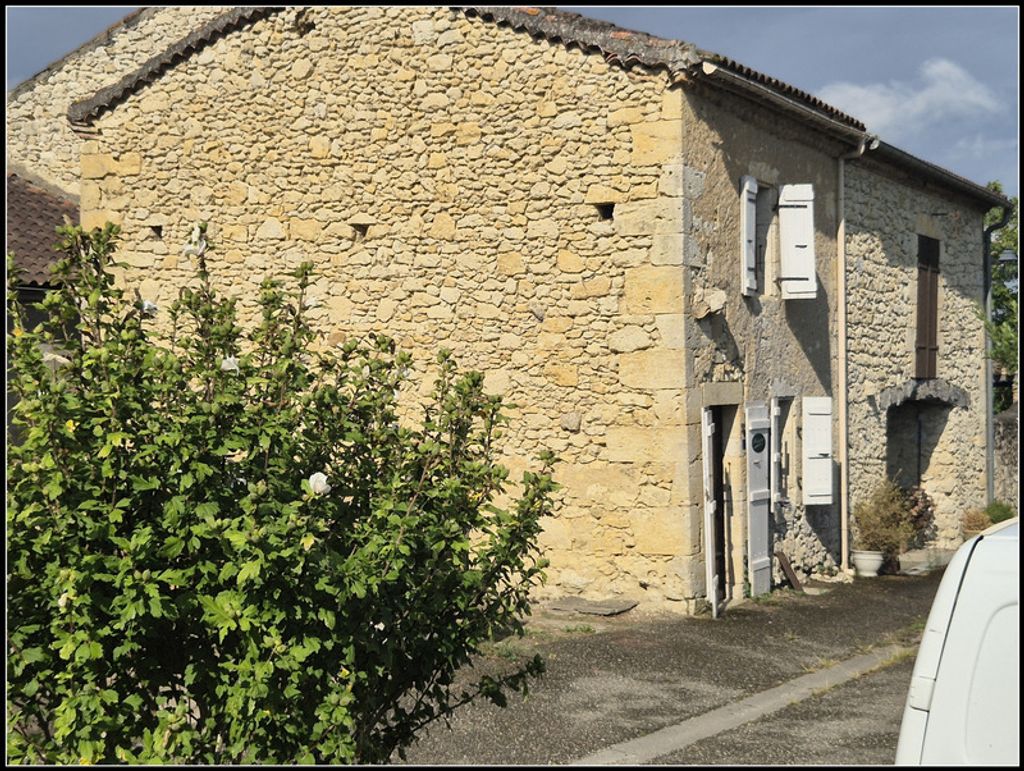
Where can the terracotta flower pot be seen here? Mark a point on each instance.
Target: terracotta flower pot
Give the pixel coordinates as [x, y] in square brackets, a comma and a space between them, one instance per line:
[867, 562]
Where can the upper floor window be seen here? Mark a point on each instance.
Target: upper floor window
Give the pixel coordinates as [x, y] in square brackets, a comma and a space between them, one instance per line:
[926, 347]
[795, 271]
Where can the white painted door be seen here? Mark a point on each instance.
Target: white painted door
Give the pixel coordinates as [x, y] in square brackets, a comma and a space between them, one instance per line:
[707, 446]
[759, 496]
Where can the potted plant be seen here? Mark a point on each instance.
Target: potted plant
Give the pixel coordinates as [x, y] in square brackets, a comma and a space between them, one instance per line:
[883, 527]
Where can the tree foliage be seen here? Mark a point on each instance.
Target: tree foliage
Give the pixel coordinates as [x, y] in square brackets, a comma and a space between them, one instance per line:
[1002, 329]
[224, 546]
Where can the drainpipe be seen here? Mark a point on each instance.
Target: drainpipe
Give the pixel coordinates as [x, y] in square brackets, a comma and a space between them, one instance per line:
[990, 481]
[867, 141]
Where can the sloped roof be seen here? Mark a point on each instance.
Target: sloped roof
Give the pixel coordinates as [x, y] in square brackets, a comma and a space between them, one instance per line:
[102, 38]
[615, 44]
[628, 47]
[34, 211]
[87, 110]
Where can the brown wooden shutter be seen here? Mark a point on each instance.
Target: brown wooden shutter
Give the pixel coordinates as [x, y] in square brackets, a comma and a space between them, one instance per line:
[927, 345]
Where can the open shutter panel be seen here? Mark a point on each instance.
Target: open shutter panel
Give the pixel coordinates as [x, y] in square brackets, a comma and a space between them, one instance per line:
[748, 235]
[817, 446]
[796, 241]
[707, 435]
[759, 495]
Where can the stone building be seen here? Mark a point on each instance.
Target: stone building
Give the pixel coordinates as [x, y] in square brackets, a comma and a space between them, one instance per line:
[677, 267]
[39, 138]
[44, 154]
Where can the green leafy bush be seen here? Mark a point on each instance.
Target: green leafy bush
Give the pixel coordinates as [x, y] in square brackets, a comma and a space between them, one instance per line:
[999, 512]
[226, 547]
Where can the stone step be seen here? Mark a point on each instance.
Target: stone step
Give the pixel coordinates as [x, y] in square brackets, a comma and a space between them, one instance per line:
[920, 561]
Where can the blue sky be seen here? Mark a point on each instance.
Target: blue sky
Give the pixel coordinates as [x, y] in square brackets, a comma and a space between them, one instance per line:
[938, 82]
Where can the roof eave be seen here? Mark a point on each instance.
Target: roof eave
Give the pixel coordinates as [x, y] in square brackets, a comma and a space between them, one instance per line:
[102, 38]
[912, 163]
[847, 130]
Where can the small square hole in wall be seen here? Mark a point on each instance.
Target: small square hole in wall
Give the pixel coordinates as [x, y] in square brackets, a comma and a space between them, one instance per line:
[360, 231]
[605, 211]
[303, 24]
[157, 231]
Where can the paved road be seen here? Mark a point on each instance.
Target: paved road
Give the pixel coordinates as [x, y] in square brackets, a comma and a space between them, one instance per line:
[857, 723]
[634, 675]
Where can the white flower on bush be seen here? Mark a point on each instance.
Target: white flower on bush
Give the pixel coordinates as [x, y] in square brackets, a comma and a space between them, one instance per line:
[229, 364]
[196, 246]
[55, 359]
[150, 308]
[318, 484]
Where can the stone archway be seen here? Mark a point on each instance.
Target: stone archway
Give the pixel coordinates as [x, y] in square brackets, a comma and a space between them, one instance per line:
[921, 450]
[935, 390]
[916, 417]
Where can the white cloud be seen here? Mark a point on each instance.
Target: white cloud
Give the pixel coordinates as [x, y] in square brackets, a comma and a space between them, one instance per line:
[942, 91]
[979, 146]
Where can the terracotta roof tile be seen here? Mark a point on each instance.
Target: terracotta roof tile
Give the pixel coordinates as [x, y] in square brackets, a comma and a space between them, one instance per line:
[34, 211]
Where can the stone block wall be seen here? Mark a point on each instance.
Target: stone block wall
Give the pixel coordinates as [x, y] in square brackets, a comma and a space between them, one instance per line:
[885, 214]
[39, 137]
[774, 347]
[1006, 428]
[458, 184]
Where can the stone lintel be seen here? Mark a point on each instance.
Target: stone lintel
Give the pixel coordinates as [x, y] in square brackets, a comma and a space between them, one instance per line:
[721, 393]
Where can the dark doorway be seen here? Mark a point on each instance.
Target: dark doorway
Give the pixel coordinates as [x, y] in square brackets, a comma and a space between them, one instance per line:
[718, 486]
[913, 431]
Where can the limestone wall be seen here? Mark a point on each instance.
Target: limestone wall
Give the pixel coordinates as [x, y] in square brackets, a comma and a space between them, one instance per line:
[444, 173]
[774, 347]
[1006, 430]
[885, 215]
[39, 137]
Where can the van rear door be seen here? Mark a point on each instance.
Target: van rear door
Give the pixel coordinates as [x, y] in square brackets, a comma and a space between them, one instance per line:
[967, 711]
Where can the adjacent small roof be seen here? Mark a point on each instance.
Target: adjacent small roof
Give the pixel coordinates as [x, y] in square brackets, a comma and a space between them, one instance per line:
[34, 211]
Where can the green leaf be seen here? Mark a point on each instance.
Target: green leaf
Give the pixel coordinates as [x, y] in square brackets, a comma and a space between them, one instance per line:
[249, 571]
[141, 484]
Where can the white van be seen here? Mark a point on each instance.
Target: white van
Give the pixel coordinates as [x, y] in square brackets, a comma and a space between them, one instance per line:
[963, 704]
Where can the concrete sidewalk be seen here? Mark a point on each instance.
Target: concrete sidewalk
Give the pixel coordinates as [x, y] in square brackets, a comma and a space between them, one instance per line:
[613, 680]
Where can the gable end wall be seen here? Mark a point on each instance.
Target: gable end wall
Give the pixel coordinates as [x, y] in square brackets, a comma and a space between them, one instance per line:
[444, 173]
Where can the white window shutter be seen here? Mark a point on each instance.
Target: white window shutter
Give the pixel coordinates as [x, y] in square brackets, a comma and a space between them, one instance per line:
[796, 241]
[817, 447]
[748, 235]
